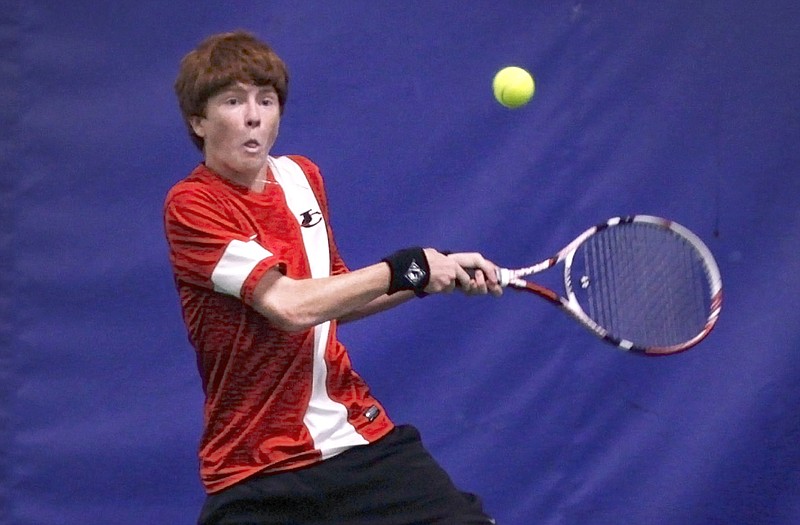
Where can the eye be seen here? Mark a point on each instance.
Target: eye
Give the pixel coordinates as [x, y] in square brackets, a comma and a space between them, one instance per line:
[232, 101]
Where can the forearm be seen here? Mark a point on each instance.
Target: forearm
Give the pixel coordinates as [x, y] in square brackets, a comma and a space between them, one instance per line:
[298, 304]
[479, 268]
[384, 302]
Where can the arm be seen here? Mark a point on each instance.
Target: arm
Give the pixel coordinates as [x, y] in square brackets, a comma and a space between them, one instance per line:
[298, 304]
[382, 303]
[475, 264]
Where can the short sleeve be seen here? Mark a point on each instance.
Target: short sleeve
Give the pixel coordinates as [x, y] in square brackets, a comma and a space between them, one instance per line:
[212, 245]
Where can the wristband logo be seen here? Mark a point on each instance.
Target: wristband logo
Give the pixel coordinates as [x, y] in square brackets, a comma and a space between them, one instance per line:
[415, 274]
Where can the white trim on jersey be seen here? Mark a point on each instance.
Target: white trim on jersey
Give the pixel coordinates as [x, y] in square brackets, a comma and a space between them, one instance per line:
[325, 419]
[236, 264]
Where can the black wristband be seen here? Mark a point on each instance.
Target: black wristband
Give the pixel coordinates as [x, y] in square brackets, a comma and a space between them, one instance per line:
[410, 271]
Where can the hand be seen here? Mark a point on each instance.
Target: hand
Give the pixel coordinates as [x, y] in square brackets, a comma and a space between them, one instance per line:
[445, 273]
[470, 272]
[484, 274]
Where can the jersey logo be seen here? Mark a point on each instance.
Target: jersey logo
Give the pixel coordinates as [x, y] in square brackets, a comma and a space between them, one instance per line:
[372, 413]
[310, 218]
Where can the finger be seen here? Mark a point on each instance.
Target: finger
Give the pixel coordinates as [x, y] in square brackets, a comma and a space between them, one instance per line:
[450, 286]
[480, 283]
[463, 279]
[489, 270]
[475, 261]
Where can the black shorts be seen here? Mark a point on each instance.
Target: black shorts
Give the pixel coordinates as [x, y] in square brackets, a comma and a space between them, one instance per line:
[392, 481]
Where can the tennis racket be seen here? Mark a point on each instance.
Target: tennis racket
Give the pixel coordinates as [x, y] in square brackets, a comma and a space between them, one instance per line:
[645, 284]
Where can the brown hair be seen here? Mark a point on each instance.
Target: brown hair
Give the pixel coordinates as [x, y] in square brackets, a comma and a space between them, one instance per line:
[220, 61]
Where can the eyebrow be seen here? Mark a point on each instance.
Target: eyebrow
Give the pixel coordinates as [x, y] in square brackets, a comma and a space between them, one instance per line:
[238, 90]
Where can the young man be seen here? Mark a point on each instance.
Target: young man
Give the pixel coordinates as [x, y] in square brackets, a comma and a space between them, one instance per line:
[291, 432]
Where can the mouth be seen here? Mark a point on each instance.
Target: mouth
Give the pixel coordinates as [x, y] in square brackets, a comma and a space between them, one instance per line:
[252, 144]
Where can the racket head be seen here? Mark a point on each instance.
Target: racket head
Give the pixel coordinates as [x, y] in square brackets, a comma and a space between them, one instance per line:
[643, 283]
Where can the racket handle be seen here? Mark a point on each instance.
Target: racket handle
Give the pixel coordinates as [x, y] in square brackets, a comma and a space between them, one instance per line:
[503, 276]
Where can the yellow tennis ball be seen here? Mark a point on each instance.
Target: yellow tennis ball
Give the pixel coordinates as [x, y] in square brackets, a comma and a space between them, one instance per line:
[513, 86]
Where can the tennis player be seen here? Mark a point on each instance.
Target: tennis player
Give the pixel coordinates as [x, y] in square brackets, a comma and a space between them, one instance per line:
[291, 433]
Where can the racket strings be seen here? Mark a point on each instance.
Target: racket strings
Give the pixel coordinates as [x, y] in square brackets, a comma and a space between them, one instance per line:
[643, 284]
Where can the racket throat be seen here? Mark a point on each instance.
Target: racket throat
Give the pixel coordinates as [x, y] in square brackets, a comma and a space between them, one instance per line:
[539, 290]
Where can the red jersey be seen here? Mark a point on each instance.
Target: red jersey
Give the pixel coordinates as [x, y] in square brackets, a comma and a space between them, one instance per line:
[274, 400]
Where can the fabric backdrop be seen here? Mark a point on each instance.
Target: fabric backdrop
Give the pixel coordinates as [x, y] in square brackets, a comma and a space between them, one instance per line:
[680, 108]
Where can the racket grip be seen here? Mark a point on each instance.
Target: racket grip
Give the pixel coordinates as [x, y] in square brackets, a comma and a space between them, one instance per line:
[503, 276]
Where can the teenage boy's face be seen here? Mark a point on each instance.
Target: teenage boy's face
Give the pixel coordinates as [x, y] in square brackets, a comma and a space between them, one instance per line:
[239, 128]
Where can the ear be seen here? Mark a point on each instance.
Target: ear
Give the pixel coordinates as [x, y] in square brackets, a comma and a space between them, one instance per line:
[197, 125]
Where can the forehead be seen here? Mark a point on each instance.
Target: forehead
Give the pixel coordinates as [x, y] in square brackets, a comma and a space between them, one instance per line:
[241, 87]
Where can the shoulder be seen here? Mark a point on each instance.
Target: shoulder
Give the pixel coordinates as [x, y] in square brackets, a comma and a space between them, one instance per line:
[200, 185]
[196, 190]
[308, 167]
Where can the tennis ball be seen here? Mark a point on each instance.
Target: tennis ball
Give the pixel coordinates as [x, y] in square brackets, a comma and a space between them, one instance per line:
[513, 86]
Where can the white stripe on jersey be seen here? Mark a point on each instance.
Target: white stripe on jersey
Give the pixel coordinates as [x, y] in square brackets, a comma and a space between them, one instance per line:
[236, 264]
[325, 419]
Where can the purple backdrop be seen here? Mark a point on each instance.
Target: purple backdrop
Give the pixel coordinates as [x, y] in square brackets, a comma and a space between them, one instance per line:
[683, 109]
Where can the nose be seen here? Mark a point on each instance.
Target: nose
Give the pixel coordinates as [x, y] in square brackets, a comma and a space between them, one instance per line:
[252, 117]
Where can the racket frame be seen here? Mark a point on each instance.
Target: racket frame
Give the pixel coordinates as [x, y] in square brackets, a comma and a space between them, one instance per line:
[513, 278]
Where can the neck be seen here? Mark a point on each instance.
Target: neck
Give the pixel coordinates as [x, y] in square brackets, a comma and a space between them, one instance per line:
[254, 180]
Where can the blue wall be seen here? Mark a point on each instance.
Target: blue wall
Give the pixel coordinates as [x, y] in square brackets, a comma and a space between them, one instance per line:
[683, 109]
